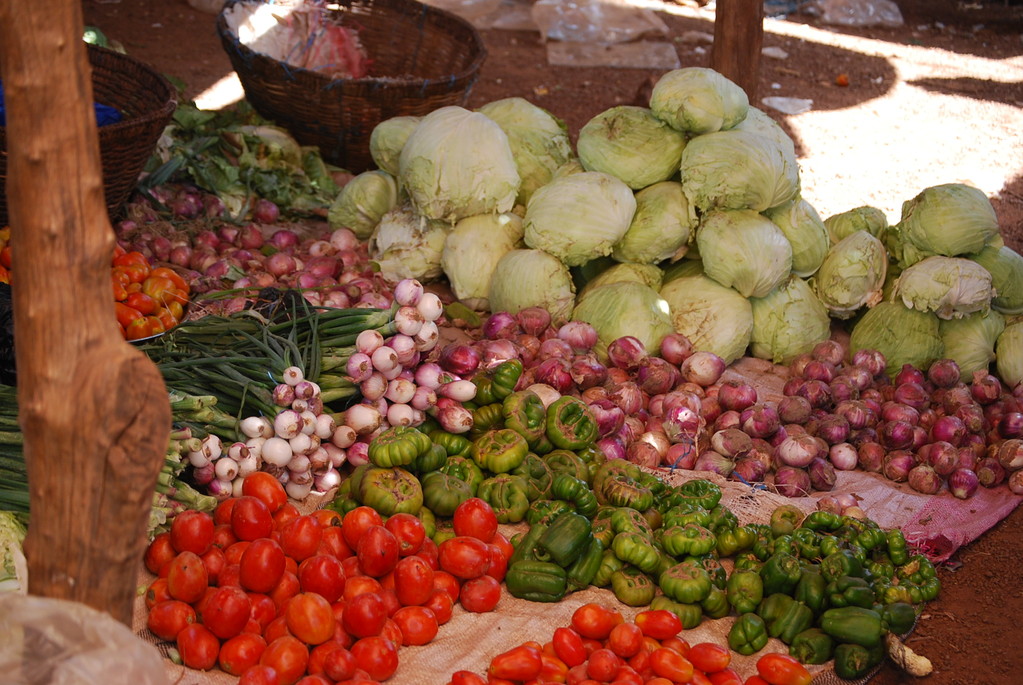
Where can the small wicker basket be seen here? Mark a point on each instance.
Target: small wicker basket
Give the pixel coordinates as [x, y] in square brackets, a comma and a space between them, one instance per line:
[146, 101]
[421, 57]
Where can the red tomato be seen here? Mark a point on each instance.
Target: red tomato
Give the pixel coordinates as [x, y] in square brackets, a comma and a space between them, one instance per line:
[625, 640]
[142, 302]
[230, 575]
[603, 664]
[430, 553]
[782, 669]
[709, 657]
[669, 664]
[332, 542]
[339, 664]
[126, 315]
[250, 518]
[285, 515]
[288, 657]
[659, 624]
[377, 551]
[517, 664]
[227, 612]
[157, 592]
[328, 517]
[300, 537]
[198, 647]
[278, 627]
[187, 579]
[476, 518]
[322, 574]
[466, 678]
[159, 551]
[357, 521]
[214, 560]
[498, 565]
[726, 676]
[441, 605]
[286, 588]
[418, 625]
[464, 557]
[233, 553]
[263, 609]
[408, 530]
[313, 680]
[568, 646]
[677, 644]
[595, 621]
[480, 594]
[506, 546]
[310, 618]
[377, 656]
[166, 272]
[222, 512]
[442, 580]
[413, 580]
[357, 585]
[168, 618]
[258, 675]
[391, 603]
[262, 564]
[240, 653]
[364, 615]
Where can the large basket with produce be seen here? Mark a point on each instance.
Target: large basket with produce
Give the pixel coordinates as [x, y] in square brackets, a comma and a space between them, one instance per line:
[143, 101]
[340, 69]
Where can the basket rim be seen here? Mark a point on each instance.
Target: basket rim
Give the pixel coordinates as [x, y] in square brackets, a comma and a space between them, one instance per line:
[469, 73]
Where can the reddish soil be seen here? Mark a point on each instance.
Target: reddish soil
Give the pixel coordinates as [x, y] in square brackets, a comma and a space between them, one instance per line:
[970, 631]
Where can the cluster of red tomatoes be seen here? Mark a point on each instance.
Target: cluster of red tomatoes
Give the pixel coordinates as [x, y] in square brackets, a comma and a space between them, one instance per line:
[600, 647]
[277, 597]
[148, 300]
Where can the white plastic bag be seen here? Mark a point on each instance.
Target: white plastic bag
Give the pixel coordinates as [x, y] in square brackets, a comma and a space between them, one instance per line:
[860, 13]
[595, 21]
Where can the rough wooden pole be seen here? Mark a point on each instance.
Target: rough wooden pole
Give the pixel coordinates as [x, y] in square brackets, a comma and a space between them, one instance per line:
[738, 40]
[93, 409]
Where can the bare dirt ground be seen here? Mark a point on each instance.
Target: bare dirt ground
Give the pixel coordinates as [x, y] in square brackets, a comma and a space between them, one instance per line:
[935, 100]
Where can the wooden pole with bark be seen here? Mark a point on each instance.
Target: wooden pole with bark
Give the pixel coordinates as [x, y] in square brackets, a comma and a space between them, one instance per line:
[738, 40]
[94, 410]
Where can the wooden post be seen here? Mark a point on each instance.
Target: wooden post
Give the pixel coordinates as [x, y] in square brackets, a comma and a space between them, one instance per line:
[93, 409]
[738, 40]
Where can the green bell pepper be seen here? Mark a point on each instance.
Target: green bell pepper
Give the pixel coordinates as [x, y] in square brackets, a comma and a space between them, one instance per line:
[747, 561]
[583, 570]
[576, 491]
[807, 543]
[784, 544]
[593, 456]
[566, 538]
[546, 510]
[398, 446]
[567, 461]
[453, 443]
[785, 518]
[745, 590]
[700, 491]
[499, 451]
[763, 544]
[732, 541]
[781, 573]
[850, 591]
[872, 538]
[538, 477]
[486, 418]
[857, 625]
[464, 469]
[898, 551]
[429, 521]
[853, 661]
[822, 521]
[691, 615]
[602, 528]
[496, 384]
[527, 546]
[812, 646]
[609, 563]
[681, 514]
[840, 563]
[442, 493]
[898, 617]
[524, 413]
[811, 590]
[715, 605]
[628, 520]
[389, 491]
[617, 482]
[887, 593]
[688, 540]
[537, 581]
[748, 635]
[506, 494]
[785, 617]
[431, 460]
[880, 567]
[722, 518]
[685, 582]
[636, 549]
[571, 423]
[632, 587]
[829, 545]
[714, 568]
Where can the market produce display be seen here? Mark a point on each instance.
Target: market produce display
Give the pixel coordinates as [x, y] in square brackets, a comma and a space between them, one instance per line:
[498, 365]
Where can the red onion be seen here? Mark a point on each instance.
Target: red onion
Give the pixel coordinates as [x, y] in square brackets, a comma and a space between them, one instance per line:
[582, 336]
[495, 352]
[990, 473]
[500, 325]
[643, 453]
[628, 397]
[797, 450]
[736, 395]
[613, 448]
[529, 347]
[459, 359]
[358, 453]
[533, 320]
[833, 429]
[909, 374]
[703, 368]
[284, 239]
[794, 409]
[985, 387]
[454, 418]
[943, 456]
[760, 420]
[710, 408]
[830, 351]
[727, 419]
[1010, 454]
[948, 429]
[681, 423]
[963, 483]
[870, 457]
[843, 389]
[249, 237]
[616, 376]
[655, 376]
[555, 348]
[896, 465]
[972, 416]
[731, 442]
[856, 413]
[920, 437]
[1016, 482]
[843, 456]
[955, 397]
[872, 360]
[792, 386]
[858, 437]
[896, 411]
[587, 372]
[675, 348]
[626, 352]
[785, 431]
[817, 370]
[713, 462]
[943, 373]
[748, 470]
[798, 364]
[924, 479]
[895, 435]
[790, 481]
[817, 392]
[822, 474]
[1011, 425]
[858, 376]
[967, 458]
[280, 264]
[610, 417]
[913, 395]
[265, 211]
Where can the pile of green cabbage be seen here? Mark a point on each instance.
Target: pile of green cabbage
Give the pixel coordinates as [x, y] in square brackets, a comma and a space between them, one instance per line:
[686, 216]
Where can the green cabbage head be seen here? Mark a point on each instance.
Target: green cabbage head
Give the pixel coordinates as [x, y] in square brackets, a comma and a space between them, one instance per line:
[532, 278]
[950, 287]
[632, 144]
[744, 250]
[649, 275]
[406, 244]
[661, 227]
[1009, 351]
[1006, 268]
[805, 231]
[624, 308]
[950, 220]
[471, 253]
[698, 100]
[714, 317]
[970, 341]
[363, 201]
[852, 275]
[388, 138]
[788, 322]
[902, 335]
[865, 218]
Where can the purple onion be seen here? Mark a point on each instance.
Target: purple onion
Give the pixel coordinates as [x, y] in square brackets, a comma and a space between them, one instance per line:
[731, 442]
[858, 376]
[1011, 425]
[681, 424]
[985, 387]
[500, 325]
[989, 472]
[703, 368]
[830, 351]
[784, 432]
[555, 348]
[817, 392]
[682, 398]
[714, 462]
[924, 479]
[912, 394]
[895, 435]
[968, 458]
[856, 413]
[792, 385]
[870, 457]
[822, 474]
[760, 420]
[736, 395]
[533, 320]
[972, 416]
[681, 455]
[843, 456]
[629, 397]
[626, 352]
[963, 483]
[798, 364]
[797, 450]
[896, 411]
[1010, 454]
[790, 481]
[833, 429]
[897, 464]
[727, 419]
[943, 456]
[710, 409]
[675, 348]
[612, 447]
[858, 437]
[644, 453]
[610, 418]
[944, 373]
[749, 470]
[818, 370]
[582, 336]
[794, 409]
[587, 372]
[656, 376]
[459, 359]
[873, 361]
[909, 374]
[554, 372]
[843, 389]
[1016, 482]
[920, 437]
[948, 429]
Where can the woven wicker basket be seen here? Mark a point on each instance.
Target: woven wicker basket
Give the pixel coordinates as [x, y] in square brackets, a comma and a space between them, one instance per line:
[422, 58]
[146, 102]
